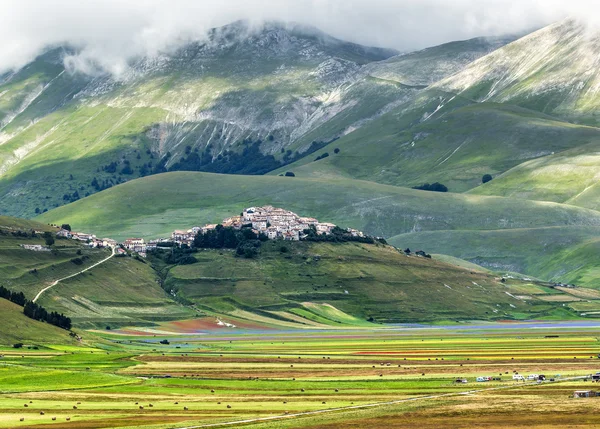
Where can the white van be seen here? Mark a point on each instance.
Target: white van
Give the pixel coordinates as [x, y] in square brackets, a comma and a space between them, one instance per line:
[518, 377]
[532, 377]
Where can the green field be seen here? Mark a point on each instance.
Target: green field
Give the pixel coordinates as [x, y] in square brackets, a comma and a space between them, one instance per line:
[132, 381]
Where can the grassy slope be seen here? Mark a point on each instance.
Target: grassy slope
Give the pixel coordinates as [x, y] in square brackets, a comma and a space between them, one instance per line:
[7, 222]
[456, 146]
[122, 290]
[567, 254]
[567, 177]
[17, 264]
[154, 206]
[16, 328]
[361, 280]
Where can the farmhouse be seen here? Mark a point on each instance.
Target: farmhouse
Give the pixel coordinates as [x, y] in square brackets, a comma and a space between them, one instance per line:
[82, 236]
[137, 245]
[64, 233]
[584, 394]
[35, 247]
[109, 242]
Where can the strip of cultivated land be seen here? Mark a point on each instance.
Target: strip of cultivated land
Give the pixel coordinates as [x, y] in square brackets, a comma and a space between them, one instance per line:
[228, 375]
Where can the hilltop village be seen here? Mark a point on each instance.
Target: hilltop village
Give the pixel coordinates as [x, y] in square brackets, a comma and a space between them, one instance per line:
[272, 222]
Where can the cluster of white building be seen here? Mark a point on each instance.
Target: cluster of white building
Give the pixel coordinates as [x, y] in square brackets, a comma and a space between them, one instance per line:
[90, 239]
[275, 223]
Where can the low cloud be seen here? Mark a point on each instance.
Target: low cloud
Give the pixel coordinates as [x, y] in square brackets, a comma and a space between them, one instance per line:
[110, 32]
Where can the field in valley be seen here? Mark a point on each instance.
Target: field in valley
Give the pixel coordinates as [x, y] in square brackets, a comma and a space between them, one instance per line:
[128, 379]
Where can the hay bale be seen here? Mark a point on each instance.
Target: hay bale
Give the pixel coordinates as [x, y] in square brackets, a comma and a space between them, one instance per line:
[141, 407]
[228, 406]
[185, 408]
[53, 419]
[41, 413]
[25, 405]
[150, 405]
[74, 407]
[68, 419]
[22, 419]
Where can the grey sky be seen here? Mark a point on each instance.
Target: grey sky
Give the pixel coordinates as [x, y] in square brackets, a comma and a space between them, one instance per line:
[110, 31]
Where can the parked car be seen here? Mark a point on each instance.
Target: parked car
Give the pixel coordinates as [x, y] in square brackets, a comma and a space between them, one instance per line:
[482, 379]
[461, 380]
[518, 377]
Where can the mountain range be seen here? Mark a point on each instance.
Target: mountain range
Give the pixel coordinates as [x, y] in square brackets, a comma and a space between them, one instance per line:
[357, 126]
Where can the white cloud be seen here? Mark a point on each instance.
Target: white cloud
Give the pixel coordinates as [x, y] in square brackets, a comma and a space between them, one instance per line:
[111, 31]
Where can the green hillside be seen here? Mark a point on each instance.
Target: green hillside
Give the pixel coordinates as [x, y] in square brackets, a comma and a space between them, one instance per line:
[561, 254]
[30, 271]
[566, 177]
[18, 328]
[12, 223]
[365, 281]
[121, 290]
[456, 146]
[156, 205]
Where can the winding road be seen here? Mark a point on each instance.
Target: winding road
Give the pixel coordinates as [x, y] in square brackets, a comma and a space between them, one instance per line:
[373, 405]
[73, 275]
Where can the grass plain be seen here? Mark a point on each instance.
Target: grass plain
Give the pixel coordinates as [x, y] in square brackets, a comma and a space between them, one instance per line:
[115, 379]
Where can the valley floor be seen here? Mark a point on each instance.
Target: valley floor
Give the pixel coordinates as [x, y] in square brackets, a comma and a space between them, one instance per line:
[227, 375]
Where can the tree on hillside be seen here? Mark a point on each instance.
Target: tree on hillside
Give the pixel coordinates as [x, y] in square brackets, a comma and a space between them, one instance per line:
[486, 178]
[48, 238]
[66, 226]
[434, 187]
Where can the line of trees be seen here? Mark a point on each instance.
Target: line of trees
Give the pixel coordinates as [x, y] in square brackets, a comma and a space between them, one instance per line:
[245, 242]
[434, 187]
[35, 311]
[339, 235]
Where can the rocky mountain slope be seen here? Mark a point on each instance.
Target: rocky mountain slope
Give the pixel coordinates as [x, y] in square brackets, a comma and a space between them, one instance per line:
[553, 70]
[283, 90]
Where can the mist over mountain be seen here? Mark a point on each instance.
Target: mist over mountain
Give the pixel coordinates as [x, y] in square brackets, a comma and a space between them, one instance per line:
[109, 33]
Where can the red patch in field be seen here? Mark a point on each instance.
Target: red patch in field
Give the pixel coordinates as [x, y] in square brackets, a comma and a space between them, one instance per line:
[204, 324]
